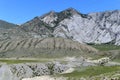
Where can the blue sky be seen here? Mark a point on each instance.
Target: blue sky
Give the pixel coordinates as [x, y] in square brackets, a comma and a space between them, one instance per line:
[20, 11]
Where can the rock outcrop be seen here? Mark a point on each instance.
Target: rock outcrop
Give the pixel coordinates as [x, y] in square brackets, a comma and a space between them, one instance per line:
[27, 70]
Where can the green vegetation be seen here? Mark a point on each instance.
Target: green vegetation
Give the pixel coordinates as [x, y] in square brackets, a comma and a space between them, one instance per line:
[105, 47]
[13, 61]
[92, 71]
[30, 60]
[116, 60]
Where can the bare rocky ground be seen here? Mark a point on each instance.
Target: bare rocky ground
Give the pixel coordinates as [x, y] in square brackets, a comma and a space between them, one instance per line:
[51, 67]
[101, 77]
[45, 78]
[43, 47]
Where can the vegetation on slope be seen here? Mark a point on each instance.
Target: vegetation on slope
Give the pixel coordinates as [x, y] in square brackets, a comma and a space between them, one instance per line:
[17, 61]
[93, 71]
[105, 47]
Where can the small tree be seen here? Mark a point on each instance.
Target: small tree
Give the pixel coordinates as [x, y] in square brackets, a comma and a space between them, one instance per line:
[51, 68]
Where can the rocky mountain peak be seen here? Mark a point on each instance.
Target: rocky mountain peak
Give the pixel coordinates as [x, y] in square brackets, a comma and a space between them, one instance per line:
[70, 10]
[116, 11]
[49, 18]
[51, 13]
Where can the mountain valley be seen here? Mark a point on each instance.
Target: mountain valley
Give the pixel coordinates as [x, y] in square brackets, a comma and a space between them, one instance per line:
[66, 45]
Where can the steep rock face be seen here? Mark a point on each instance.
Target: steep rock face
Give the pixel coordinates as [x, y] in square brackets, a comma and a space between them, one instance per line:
[101, 27]
[32, 47]
[49, 18]
[93, 28]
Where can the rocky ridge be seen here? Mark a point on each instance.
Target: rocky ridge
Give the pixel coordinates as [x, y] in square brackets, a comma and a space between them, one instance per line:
[31, 47]
[97, 27]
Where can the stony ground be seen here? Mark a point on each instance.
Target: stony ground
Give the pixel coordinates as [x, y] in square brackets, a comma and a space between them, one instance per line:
[65, 67]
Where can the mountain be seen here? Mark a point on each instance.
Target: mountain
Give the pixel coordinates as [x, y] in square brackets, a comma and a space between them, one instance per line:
[99, 27]
[92, 28]
[10, 31]
[6, 25]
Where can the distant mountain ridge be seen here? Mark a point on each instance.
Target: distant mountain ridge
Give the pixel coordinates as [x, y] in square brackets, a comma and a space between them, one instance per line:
[99, 27]
[6, 25]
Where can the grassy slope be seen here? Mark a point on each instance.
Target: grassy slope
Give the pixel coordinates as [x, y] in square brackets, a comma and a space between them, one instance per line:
[108, 50]
[116, 60]
[106, 47]
[16, 61]
[92, 71]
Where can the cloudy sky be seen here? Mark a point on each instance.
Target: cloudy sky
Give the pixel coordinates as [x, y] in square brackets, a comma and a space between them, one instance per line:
[20, 11]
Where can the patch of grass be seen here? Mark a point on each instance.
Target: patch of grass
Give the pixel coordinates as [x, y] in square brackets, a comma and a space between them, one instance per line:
[19, 61]
[92, 71]
[116, 60]
[105, 47]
